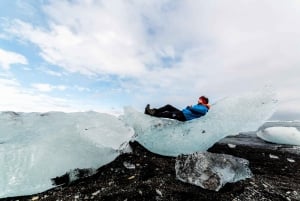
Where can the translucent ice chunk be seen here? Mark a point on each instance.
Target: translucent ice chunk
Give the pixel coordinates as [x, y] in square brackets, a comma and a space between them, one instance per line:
[227, 117]
[211, 171]
[280, 135]
[37, 147]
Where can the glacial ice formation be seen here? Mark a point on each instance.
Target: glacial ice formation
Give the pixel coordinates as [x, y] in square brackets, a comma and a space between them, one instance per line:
[211, 171]
[36, 147]
[227, 117]
[280, 135]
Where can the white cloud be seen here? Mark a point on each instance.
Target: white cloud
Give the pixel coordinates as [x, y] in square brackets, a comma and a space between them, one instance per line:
[91, 39]
[7, 58]
[82, 89]
[42, 87]
[175, 50]
[3, 36]
[20, 99]
[47, 87]
[54, 73]
[61, 87]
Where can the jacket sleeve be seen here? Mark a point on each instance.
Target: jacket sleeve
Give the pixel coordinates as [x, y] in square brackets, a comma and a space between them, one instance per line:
[198, 109]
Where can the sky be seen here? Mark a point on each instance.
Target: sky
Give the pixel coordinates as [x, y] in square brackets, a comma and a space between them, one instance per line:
[81, 55]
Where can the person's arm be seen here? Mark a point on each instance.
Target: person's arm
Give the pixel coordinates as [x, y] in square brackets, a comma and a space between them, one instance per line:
[198, 109]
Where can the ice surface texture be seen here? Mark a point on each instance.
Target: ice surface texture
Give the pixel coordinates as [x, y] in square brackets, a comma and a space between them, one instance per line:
[227, 117]
[211, 171]
[36, 147]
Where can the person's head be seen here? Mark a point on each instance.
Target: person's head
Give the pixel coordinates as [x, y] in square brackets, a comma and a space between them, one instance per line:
[203, 100]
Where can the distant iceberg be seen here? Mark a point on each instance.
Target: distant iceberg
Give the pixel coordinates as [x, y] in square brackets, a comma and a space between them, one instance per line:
[280, 135]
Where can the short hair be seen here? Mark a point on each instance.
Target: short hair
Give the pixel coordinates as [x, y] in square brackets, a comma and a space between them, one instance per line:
[205, 99]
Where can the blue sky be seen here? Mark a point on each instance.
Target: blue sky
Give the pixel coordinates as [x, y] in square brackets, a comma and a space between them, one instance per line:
[80, 55]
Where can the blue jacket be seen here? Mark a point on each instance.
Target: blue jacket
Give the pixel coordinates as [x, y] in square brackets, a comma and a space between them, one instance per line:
[195, 111]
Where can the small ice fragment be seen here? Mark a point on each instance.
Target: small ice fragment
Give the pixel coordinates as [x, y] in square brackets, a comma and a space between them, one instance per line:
[290, 160]
[96, 193]
[232, 146]
[158, 192]
[129, 165]
[35, 198]
[132, 177]
[273, 156]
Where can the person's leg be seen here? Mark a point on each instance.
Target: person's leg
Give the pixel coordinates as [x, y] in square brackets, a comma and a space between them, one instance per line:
[167, 108]
[157, 112]
[171, 115]
[167, 111]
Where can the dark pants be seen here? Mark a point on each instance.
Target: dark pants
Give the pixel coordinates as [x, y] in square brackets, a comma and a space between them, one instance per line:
[168, 111]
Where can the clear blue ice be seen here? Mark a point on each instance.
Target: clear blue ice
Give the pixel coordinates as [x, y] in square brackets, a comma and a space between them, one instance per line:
[35, 147]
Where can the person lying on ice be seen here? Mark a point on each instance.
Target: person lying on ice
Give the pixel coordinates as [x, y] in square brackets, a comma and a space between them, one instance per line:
[187, 114]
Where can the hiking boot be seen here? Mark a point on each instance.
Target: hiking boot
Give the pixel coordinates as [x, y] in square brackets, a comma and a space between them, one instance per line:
[149, 111]
[147, 108]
